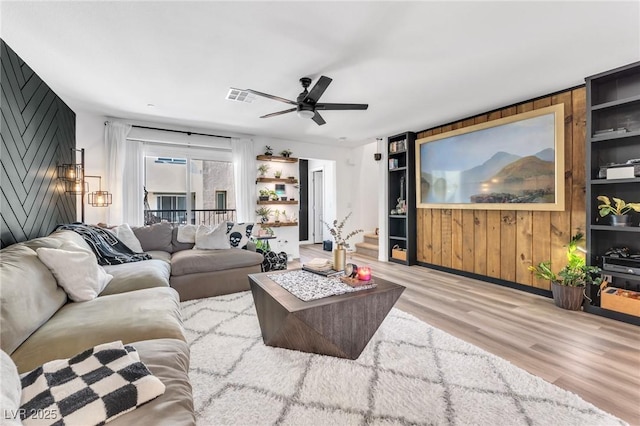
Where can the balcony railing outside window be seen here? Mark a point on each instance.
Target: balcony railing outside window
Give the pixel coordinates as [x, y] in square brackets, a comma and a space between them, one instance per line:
[199, 217]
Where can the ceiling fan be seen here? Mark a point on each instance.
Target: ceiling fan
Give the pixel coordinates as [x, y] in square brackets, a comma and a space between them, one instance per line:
[306, 105]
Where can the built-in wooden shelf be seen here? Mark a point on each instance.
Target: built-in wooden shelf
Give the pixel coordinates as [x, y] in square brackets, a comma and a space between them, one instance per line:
[616, 228]
[612, 181]
[282, 180]
[615, 103]
[277, 159]
[278, 224]
[279, 202]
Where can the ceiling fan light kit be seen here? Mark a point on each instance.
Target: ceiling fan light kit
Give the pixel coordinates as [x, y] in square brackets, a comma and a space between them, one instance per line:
[306, 104]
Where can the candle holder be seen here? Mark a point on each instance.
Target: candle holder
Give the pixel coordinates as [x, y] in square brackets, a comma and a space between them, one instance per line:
[364, 273]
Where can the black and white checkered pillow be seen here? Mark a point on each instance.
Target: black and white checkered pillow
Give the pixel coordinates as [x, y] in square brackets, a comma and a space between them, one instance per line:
[91, 388]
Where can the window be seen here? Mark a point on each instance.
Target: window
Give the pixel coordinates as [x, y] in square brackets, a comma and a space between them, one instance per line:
[221, 200]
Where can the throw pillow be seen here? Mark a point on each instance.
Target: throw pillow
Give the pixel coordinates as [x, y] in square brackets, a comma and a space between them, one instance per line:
[187, 233]
[125, 234]
[239, 234]
[76, 271]
[208, 238]
[91, 388]
[11, 390]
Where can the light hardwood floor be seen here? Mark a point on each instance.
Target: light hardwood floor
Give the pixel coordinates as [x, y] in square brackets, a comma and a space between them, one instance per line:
[594, 357]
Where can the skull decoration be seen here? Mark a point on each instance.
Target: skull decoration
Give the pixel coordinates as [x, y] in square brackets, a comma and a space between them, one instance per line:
[249, 230]
[235, 239]
[229, 226]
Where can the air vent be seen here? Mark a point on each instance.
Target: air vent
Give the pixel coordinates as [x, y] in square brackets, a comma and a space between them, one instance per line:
[240, 95]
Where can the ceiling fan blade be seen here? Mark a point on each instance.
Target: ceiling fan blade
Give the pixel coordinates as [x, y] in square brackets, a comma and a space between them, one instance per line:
[318, 89]
[266, 95]
[327, 107]
[318, 119]
[273, 114]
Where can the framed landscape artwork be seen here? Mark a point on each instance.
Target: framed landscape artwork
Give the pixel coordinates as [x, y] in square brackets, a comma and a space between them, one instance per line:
[513, 163]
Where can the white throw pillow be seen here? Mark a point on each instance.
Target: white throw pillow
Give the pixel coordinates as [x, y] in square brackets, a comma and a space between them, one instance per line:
[187, 234]
[208, 238]
[125, 234]
[76, 271]
[11, 391]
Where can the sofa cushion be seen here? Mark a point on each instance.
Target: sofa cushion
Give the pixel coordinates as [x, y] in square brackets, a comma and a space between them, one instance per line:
[168, 360]
[194, 261]
[136, 276]
[29, 295]
[212, 237]
[155, 237]
[160, 255]
[76, 270]
[151, 313]
[177, 245]
[10, 392]
[56, 239]
[125, 234]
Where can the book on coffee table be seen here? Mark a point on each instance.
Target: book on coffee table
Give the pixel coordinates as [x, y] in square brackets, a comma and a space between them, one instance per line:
[321, 271]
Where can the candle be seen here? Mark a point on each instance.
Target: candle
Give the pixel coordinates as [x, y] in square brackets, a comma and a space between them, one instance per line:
[364, 273]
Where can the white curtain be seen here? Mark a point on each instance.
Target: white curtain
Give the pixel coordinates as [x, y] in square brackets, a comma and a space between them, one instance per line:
[244, 173]
[115, 148]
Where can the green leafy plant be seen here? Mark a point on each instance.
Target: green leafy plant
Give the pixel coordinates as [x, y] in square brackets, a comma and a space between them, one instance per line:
[268, 150]
[264, 192]
[286, 152]
[264, 168]
[620, 208]
[277, 174]
[336, 231]
[264, 213]
[273, 195]
[576, 273]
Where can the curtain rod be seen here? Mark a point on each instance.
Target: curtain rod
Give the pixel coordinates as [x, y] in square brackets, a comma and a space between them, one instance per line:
[176, 131]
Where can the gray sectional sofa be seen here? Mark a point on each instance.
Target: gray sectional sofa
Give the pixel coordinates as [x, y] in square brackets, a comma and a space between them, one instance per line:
[196, 274]
[139, 306]
[38, 323]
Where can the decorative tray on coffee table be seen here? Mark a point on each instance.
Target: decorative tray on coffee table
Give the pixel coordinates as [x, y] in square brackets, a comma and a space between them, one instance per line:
[354, 282]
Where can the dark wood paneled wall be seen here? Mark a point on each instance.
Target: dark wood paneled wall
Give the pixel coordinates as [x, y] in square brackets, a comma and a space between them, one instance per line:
[501, 244]
[38, 131]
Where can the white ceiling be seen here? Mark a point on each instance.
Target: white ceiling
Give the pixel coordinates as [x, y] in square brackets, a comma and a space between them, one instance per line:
[417, 64]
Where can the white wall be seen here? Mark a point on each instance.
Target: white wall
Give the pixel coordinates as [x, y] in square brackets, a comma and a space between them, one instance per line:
[90, 136]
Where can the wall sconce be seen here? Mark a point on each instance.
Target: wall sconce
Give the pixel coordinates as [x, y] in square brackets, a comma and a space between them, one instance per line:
[70, 172]
[378, 155]
[99, 198]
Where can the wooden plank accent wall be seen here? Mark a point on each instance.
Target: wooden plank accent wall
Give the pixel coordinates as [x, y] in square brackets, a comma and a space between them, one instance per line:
[38, 131]
[502, 244]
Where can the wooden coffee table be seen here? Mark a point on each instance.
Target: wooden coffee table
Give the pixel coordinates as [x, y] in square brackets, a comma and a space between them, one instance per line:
[339, 326]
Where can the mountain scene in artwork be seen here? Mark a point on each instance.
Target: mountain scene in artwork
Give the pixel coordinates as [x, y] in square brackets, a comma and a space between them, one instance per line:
[504, 178]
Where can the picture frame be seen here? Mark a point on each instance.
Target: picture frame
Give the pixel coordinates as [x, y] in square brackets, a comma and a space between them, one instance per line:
[512, 163]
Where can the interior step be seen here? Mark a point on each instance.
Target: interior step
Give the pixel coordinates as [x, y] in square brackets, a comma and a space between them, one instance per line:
[367, 249]
[371, 239]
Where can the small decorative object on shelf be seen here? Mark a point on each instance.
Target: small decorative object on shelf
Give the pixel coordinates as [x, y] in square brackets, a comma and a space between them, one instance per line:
[618, 211]
[268, 150]
[277, 174]
[264, 213]
[286, 153]
[264, 168]
[265, 194]
[568, 286]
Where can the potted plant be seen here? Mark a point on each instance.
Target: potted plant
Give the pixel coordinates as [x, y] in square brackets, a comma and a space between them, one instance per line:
[264, 213]
[569, 284]
[286, 153]
[277, 174]
[263, 168]
[276, 215]
[273, 195]
[618, 211]
[268, 150]
[265, 194]
[341, 246]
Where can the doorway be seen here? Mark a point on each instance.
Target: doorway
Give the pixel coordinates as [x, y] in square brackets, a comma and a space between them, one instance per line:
[318, 205]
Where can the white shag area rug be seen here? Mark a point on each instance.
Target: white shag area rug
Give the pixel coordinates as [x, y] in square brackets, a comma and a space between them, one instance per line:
[410, 373]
